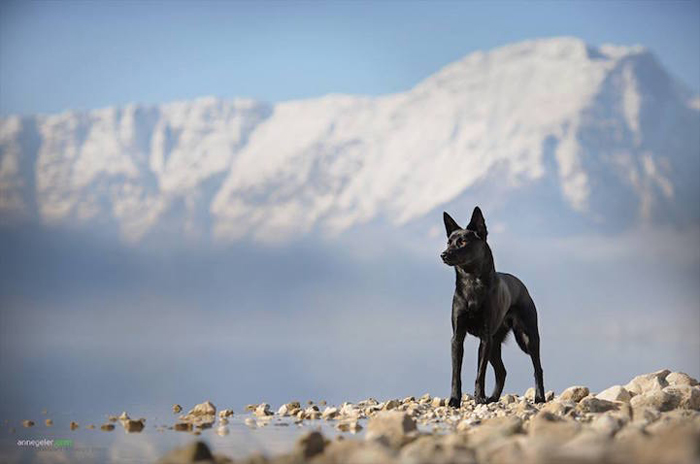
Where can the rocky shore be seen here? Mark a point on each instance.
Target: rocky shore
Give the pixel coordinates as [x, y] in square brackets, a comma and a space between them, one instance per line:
[655, 418]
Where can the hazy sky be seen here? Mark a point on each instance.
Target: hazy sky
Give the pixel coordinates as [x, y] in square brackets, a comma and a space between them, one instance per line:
[60, 55]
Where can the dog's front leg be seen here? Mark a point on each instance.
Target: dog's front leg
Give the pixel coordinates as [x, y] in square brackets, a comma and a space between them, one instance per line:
[458, 334]
[479, 384]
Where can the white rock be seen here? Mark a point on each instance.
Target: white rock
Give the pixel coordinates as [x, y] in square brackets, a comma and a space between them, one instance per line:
[594, 405]
[225, 413]
[289, 409]
[687, 397]
[203, 409]
[330, 413]
[391, 404]
[658, 399]
[350, 410]
[262, 410]
[575, 393]
[530, 394]
[648, 382]
[680, 378]
[615, 393]
[312, 412]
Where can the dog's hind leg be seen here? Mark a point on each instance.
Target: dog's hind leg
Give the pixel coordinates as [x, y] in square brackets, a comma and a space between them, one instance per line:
[498, 367]
[521, 338]
[534, 348]
[527, 334]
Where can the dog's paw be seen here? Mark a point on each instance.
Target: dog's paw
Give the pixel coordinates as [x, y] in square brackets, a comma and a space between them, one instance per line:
[478, 399]
[540, 399]
[454, 402]
[492, 399]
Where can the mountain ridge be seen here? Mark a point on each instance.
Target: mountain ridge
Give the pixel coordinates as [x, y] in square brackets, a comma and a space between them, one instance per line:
[613, 123]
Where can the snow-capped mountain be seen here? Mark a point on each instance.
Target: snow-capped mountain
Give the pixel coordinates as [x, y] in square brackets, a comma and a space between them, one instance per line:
[607, 128]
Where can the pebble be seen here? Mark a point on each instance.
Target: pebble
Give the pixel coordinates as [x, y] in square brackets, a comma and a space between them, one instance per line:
[27, 423]
[225, 413]
[681, 378]
[197, 451]
[133, 426]
[593, 404]
[530, 394]
[203, 409]
[311, 444]
[615, 393]
[648, 382]
[330, 413]
[575, 394]
[183, 427]
[262, 410]
[391, 404]
[352, 426]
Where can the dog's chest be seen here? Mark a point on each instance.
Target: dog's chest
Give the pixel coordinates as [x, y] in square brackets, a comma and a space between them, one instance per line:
[473, 293]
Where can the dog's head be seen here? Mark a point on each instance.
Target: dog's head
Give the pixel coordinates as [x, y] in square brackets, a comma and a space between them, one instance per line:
[466, 247]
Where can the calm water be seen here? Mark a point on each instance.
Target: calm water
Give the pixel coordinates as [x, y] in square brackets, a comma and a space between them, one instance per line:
[118, 446]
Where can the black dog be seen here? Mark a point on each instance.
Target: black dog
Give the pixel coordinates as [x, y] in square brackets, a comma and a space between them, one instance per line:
[488, 305]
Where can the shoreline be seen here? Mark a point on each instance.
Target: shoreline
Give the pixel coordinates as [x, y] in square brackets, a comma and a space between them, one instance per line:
[655, 418]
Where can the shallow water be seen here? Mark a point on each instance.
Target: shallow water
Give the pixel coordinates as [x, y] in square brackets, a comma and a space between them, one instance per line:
[118, 446]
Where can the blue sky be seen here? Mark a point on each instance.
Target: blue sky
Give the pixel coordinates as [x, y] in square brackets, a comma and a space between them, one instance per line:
[60, 55]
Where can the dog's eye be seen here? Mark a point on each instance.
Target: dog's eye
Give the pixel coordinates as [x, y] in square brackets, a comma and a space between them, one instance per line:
[460, 242]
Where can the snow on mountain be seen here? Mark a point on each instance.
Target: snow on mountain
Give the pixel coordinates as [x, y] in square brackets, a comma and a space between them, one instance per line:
[608, 126]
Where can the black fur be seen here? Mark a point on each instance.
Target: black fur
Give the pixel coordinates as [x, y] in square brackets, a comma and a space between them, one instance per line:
[488, 305]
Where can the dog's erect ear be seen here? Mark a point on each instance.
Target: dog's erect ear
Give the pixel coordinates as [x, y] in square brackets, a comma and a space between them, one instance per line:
[478, 224]
[450, 224]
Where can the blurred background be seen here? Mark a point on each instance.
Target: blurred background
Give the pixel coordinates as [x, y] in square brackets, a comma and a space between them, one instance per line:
[243, 202]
